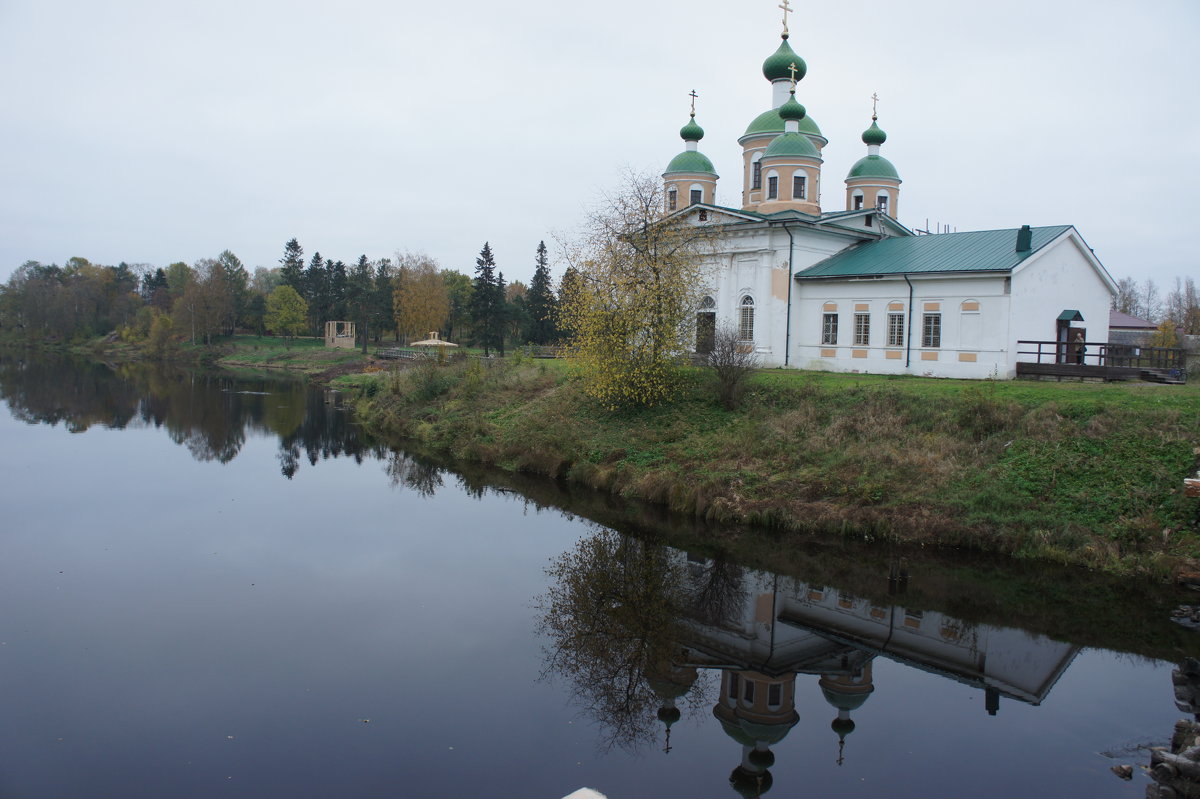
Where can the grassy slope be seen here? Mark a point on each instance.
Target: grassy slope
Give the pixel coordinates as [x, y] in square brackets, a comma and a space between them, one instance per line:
[1079, 473]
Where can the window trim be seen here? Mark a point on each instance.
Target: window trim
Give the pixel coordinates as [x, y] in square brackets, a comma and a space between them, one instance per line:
[931, 330]
[862, 328]
[746, 319]
[772, 187]
[803, 183]
[895, 329]
[829, 329]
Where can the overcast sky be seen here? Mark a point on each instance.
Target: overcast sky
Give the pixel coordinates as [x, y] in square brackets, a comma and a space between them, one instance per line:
[155, 131]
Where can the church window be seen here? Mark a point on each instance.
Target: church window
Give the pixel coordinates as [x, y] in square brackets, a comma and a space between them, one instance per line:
[733, 685]
[772, 187]
[756, 175]
[703, 215]
[775, 694]
[862, 329]
[746, 319]
[799, 187]
[881, 202]
[829, 326]
[748, 690]
[671, 203]
[931, 330]
[895, 330]
[695, 196]
[858, 202]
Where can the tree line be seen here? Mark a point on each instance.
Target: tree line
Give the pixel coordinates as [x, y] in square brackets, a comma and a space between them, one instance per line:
[1176, 311]
[406, 296]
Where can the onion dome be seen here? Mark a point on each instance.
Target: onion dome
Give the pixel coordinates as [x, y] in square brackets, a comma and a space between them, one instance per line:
[874, 134]
[873, 166]
[791, 144]
[749, 784]
[842, 727]
[693, 132]
[762, 758]
[791, 110]
[669, 715]
[778, 64]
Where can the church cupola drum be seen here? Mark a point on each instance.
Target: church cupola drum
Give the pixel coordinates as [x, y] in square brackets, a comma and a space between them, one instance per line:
[873, 182]
[690, 177]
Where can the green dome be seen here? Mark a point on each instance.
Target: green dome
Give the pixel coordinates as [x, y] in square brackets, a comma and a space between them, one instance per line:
[791, 110]
[771, 122]
[691, 131]
[777, 66]
[735, 732]
[750, 785]
[842, 727]
[845, 700]
[791, 144]
[769, 734]
[669, 715]
[874, 134]
[690, 161]
[762, 758]
[872, 166]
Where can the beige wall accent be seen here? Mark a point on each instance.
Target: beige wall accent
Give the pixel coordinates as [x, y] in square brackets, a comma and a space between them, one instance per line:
[933, 306]
[861, 306]
[779, 283]
[895, 306]
[967, 357]
[970, 305]
[858, 353]
[929, 356]
[830, 307]
[894, 355]
[828, 353]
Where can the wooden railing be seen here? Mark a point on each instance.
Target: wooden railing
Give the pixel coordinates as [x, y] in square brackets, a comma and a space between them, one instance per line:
[1101, 359]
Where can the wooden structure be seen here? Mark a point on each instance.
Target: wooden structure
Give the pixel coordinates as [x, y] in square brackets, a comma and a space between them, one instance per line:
[340, 335]
[1101, 360]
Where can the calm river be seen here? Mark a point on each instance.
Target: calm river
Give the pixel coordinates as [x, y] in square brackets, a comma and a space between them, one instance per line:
[220, 587]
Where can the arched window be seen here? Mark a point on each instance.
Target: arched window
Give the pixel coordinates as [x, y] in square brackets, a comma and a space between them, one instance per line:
[746, 319]
[799, 186]
[671, 199]
[856, 201]
[697, 194]
[772, 186]
[881, 201]
[706, 326]
[756, 171]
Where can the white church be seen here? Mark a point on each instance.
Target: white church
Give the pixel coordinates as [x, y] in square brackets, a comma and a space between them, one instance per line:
[853, 290]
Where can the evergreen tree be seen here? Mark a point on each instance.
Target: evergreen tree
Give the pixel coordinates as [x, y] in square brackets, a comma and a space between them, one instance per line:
[540, 303]
[502, 312]
[338, 281]
[237, 279]
[360, 297]
[381, 300]
[486, 304]
[292, 266]
[316, 293]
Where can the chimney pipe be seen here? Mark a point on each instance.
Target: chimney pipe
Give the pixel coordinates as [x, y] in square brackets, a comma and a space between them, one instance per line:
[1024, 239]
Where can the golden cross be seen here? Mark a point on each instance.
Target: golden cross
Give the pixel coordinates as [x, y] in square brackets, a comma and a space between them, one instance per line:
[875, 106]
[693, 95]
[792, 68]
[786, 6]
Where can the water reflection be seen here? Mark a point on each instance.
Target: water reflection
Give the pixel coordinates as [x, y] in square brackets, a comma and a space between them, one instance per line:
[210, 414]
[639, 630]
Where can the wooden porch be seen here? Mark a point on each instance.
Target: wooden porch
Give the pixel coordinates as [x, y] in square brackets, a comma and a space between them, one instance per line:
[1100, 360]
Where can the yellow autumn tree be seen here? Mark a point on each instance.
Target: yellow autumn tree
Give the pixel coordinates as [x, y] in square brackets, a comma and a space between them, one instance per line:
[639, 276]
[421, 302]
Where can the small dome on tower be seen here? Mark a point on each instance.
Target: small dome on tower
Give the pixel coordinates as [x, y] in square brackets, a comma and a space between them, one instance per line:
[778, 64]
[762, 758]
[692, 132]
[874, 134]
[791, 144]
[873, 166]
[770, 122]
[690, 161]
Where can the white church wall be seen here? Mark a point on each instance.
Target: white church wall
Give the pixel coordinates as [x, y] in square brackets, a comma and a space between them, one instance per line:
[973, 312]
[1058, 278]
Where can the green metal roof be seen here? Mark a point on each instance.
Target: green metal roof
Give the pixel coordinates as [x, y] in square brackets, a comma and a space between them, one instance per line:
[873, 166]
[976, 251]
[690, 161]
[1070, 315]
[791, 144]
[771, 122]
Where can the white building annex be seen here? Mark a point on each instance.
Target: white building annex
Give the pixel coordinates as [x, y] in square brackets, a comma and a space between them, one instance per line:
[853, 290]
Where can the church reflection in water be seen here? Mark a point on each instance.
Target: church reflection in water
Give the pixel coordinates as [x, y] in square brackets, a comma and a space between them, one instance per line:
[761, 633]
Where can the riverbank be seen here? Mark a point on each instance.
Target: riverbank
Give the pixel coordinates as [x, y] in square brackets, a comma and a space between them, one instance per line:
[1083, 474]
